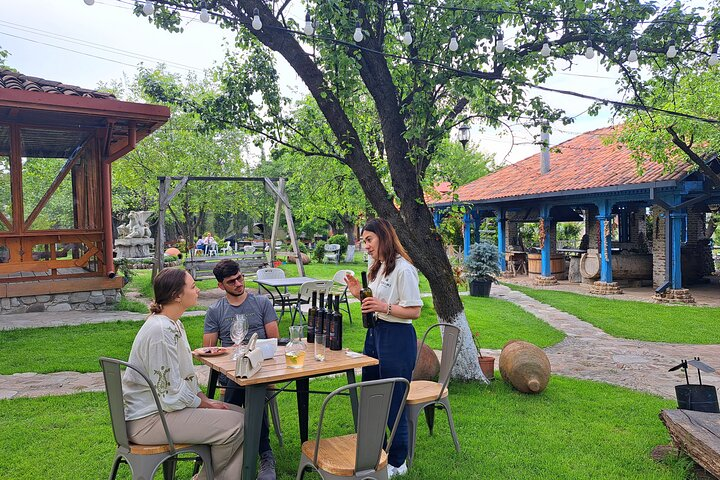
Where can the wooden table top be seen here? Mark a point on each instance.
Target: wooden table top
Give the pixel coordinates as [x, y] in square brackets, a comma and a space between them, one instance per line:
[275, 369]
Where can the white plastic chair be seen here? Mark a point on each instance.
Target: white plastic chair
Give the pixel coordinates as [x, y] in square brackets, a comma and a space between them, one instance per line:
[212, 250]
[332, 252]
[278, 298]
[227, 249]
[341, 288]
[302, 303]
[250, 249]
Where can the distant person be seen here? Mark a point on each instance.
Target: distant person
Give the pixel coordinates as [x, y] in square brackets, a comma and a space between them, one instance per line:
[262, 319]
[162, 351]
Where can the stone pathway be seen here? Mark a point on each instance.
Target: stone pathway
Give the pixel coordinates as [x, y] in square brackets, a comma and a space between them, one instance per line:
[586, 353]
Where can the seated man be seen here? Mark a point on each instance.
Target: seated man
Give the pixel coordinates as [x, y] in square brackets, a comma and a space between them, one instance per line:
[262, 320]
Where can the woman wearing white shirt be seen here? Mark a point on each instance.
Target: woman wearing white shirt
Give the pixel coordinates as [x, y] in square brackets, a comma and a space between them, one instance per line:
[162, 351]
[396, 303]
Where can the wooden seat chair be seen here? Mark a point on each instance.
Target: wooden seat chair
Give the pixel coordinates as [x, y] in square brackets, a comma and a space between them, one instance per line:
[359, 455]
[144, 460]
[428, 395]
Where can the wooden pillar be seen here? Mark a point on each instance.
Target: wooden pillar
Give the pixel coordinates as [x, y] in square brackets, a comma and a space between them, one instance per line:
[677, 220]
[107, 217]
[501, 220]
[605, 219]
[467, 218]
[159, 263]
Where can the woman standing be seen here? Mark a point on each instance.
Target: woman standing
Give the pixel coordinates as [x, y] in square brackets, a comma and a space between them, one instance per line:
[162, 351]
[396, 303]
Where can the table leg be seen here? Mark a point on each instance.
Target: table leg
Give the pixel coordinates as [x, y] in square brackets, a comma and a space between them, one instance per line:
[212, 383]
[303, 403]
[353, 396]
[254, 408]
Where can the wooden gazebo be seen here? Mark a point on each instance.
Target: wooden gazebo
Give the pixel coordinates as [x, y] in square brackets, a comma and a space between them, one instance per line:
[56, 236]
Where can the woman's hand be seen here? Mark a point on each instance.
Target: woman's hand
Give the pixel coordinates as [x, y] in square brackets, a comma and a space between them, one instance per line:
[372, 304]
[206, 402]
[353, 285]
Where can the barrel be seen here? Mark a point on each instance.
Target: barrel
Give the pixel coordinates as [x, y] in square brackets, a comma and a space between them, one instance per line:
[524, 366]
[557, 264]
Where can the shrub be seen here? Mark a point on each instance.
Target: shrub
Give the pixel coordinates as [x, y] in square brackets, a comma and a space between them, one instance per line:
[482, 262]
[340, 240]
[319, 252]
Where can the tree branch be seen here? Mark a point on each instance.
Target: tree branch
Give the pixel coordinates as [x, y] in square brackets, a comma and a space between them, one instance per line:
[714, 177]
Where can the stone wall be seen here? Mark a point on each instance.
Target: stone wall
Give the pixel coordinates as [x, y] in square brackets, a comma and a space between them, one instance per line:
[61, 302]
[511, 231]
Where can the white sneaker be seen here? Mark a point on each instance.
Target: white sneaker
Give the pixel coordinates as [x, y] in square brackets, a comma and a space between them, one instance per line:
[401, 470]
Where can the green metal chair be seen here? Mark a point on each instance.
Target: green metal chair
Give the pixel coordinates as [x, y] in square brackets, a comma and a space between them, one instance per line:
[359, 455]
[144, 460]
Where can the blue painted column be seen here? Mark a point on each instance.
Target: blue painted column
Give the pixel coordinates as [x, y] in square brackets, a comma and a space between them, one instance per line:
[545, 221]
[467, 218]
[605, 210]
[501, 239]
[476, 221]
[437, 217]
[677, 221]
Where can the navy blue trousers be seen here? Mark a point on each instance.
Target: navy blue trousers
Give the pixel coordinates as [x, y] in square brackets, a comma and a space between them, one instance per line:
[395, 346]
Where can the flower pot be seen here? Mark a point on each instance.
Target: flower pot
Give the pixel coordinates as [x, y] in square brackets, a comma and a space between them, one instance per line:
[487, 365]
[480, 288]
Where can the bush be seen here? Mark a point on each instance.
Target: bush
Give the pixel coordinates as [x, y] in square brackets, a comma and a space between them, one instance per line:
[482, 262]
[340, 240]
[319, 252]
[303, 248]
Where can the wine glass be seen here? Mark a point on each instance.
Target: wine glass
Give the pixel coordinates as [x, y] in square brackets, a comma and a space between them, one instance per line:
[238, 332]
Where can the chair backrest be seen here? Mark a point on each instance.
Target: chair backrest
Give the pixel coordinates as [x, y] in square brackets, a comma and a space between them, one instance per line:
[350, 254]
[249, 249]
[265, 273]
[373, 411]
[319, 286]
[332, 248]
[339, 277]
[451, 343]
[112, 375]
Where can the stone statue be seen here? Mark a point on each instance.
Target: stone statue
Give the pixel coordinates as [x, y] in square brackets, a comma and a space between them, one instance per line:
[137, 226]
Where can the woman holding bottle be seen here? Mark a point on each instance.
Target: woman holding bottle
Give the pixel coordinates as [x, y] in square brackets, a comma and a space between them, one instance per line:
[395, 302]
[162, 351]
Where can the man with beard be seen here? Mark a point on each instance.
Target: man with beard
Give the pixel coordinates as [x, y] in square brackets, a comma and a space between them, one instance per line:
[261, 319]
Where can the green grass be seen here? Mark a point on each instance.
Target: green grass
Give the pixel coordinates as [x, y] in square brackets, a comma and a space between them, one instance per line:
[574, 430]
[636, 320]
[77, 348]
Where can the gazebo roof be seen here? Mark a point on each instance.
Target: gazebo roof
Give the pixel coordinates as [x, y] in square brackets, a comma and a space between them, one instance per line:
[17, 81]
[581, 164]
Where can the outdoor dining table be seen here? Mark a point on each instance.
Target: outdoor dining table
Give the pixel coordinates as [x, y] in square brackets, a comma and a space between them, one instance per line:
[278, 297]
[273, 371]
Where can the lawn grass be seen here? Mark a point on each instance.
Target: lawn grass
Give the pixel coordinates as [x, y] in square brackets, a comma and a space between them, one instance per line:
[576, 429]
[77, 348]
[636, 320]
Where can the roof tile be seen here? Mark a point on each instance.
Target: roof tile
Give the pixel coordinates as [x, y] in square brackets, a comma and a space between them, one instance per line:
[18, 81]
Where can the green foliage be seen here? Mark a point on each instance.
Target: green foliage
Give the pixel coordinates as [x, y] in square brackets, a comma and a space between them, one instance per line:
[482, 262]
[340, 240]
[319, 252]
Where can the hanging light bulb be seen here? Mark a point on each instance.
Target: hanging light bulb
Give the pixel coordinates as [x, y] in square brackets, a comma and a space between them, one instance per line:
[407, 36]
[671, 51]
[500, 44]
[204, 15]
[358, 35]
[148, 8]
[545, 50]
[633, 56]
[256, 22]
[453, 46]
[589, 50]
[89, 2]
[309, 29]
[714, 56]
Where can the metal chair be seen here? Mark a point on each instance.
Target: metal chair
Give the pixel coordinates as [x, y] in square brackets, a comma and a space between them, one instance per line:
[341, 288]
[430, 395]
[144, 460]
[302, 304]
[332, 253]
[358, 455]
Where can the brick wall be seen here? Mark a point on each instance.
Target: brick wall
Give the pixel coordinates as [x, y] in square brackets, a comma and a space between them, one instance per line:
[658, 217]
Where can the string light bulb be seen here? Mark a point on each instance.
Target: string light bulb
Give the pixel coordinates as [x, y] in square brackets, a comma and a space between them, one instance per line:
[407, 36]
[589, 50]
[545, 50]
[89, 2]
[633, 55]
[453, 46]
[256, 22]
[714, 60]
[672, 50]
[500, 43]
[148, 8]
[309, 29]
[358, 35]
[204, 15]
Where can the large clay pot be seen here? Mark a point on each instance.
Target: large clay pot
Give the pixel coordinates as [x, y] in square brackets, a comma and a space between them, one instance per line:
[524, 366]
[487, 365]
[428, 365]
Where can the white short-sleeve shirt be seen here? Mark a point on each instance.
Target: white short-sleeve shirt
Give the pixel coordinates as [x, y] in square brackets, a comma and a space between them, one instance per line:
[401, 287]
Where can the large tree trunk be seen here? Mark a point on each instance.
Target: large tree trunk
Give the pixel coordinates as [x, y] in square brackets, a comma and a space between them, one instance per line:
[349, 229]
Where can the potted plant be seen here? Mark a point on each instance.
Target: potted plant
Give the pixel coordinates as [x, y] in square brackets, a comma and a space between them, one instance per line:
[487, 363]
[481, 268]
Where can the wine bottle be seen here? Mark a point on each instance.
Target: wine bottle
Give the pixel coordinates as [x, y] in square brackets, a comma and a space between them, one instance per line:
[312, 314]
[336, 327]
[320, 315]
[368, 319]
[328, 319]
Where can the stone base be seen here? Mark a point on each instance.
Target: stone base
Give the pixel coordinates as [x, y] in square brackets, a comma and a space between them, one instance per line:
[61, 302]
[541, 281]
[605, 288]
[680, 295]
[133, 247]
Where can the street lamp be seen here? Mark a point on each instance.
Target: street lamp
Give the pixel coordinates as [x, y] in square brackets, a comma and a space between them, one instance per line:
[464, 134]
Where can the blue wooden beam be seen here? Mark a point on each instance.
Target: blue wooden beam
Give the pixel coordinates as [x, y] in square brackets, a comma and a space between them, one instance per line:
[677, 221]
[605, 215]
[501, 238]
[467, 218]
[546, 267]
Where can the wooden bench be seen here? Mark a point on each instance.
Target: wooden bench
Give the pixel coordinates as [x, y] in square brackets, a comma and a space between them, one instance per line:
[201, 267]
[697, 434]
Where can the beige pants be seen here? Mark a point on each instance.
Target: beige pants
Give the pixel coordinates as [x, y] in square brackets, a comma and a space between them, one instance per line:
[223, 430]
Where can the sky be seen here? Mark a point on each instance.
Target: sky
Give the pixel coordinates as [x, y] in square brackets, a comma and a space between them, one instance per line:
[70, 42]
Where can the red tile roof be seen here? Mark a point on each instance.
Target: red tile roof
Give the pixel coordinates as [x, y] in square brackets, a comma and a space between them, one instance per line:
[17, 81]
[581, 163]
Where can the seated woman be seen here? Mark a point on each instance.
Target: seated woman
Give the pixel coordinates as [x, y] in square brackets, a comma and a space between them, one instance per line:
[162, 351]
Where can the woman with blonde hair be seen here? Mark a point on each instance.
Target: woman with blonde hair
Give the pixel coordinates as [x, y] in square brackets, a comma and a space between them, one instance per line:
[162, 351]
[396, 303]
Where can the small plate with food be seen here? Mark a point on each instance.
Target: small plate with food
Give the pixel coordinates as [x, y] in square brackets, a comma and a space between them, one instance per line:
[210, 351]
